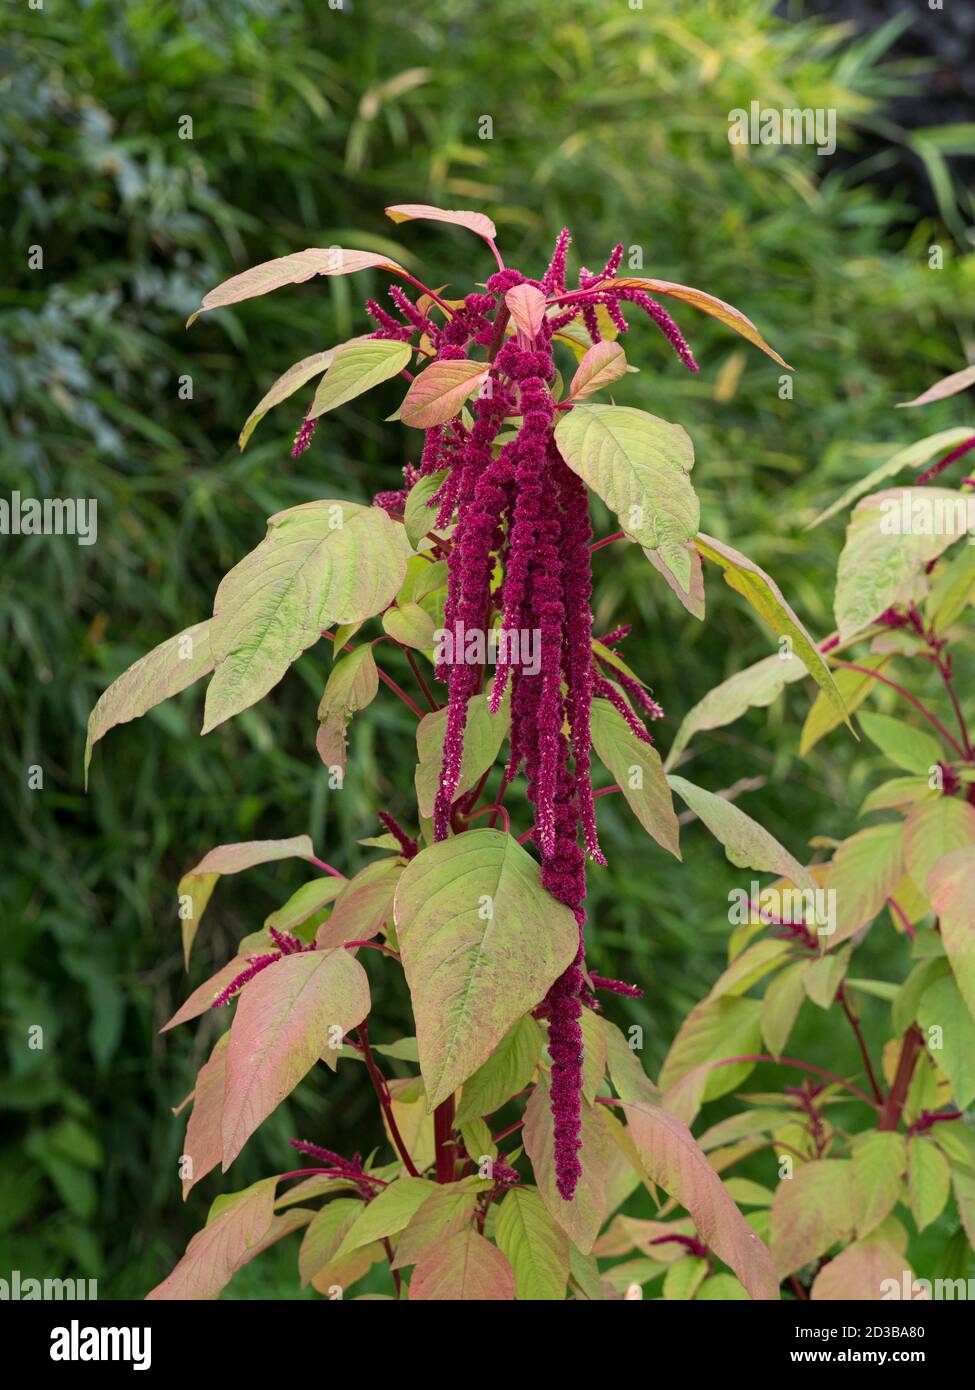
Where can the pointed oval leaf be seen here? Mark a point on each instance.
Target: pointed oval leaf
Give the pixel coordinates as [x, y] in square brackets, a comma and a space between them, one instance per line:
[864, 872]
[473, 221]
[215, 1253]
[639, 772]
[583, 1217]
[952, 886]
[437, 394]
[280, 1030]
[357, 367]
[707, 303]
[464, 1268]
[202, 1145]
[862, 1272]
[537, 1248]
[947, 386]
[676, 1163]
[747, 844]
[507, 1071]
[812, 1211]
[761, 591]
[165, 671]
[915, 455]
[291, 270]
[603, 364]
[481, 942]
[483, 736]
[287, 384]
[755, 687]
[526, 304]
[320, 563]
[933, 830]
[388, 1213]
[196, 886]
[928, 1180]
[639, 465]
[879, 1160]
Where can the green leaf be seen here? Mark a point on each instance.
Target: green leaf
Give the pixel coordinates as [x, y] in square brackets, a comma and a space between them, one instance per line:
[677, 1164]
[353, 683]
[713, 1031]
[593, 1054]
[928, 1180]
[464, 1268]
[883, 561]
[899, 791]
[165, 671]
[411, 625]
[932, 831]
[483, 736]
[746, 1193]
[286, 1017]
[864, 872]
[293, 379]
[722, 1288]
[761, 591]
[707, 303]
[683, 1278]
[952, 886]
[357, 367]
[303, 904]
[914, 455]
[854, 687]
[942, 1007]
[418, 516]
[907, 748]
[507, 1071]
[747, 844]
[753, 688]
[812, 1212]
[878, 1163]
[216, 1252]
[446, 1211]
[602, 364]
[481, 943]
[477, 222]
[537, 1248]
[694, 599]
[823, 977]
[320, 563]
[639, 465]
[438, 393]
[639, 772]
[905, 1006]
[291, 270]
[387, 1214]
[630, 1081]
[781, 1004]
[325, 1234]
[196, 886]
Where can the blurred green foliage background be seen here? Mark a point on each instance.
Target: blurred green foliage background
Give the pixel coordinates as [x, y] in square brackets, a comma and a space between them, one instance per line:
[306, 121]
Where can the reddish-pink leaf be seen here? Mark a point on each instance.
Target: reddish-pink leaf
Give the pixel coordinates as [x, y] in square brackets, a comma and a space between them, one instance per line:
[291, 270]
[282, 1026]
[527, 307]
[584, 1215]
[203, 996]
[216, 1252]
[202, 1145]
[473, 221]
[861, 1272]
[440, 391]
[463, 1268]
[707, 303]
[947, 386]
[601, 365]
[676, 1163]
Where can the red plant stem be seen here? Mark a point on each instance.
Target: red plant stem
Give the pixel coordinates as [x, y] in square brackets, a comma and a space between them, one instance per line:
[373, 946]
[855, 1025]
[325, 868]
[382, 1091]
[495, 252]
[414, 667]
[952, 696]
[965, 447]
[445, 1150]
[607, 791]
[922, 709]
[430, 294]
[803, 1066]
[607, 540]
[500, 324]
[797, 1288]
[908, 924]
[496, 1138]
[332, 1173]
[911, 1047]
[497, 810]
